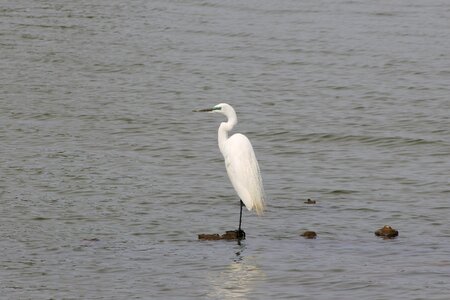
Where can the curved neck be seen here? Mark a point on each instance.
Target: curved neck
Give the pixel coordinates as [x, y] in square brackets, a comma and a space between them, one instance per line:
[226, 127]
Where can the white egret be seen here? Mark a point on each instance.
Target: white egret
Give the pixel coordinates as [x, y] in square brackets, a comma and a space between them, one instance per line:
[240, 162]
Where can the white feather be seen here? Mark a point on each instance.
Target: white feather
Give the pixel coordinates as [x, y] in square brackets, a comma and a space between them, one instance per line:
[243, 171]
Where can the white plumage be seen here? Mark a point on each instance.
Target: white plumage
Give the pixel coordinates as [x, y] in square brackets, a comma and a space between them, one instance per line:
[243, 171]
[240, 161]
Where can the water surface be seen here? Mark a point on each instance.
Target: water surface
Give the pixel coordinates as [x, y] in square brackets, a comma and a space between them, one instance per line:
[107, 176]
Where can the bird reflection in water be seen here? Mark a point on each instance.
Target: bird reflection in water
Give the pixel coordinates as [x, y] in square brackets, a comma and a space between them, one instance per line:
[239, 279]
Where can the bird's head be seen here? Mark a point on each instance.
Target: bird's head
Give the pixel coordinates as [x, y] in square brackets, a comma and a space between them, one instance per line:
[223, 108]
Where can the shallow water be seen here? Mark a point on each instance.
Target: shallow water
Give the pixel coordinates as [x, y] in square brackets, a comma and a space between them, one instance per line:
[107, 176]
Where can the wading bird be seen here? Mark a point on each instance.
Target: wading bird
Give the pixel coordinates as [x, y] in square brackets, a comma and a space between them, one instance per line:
[241, 164]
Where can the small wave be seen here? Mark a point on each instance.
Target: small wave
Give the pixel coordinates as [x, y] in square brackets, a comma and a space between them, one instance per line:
[371, 140]
[341, 192]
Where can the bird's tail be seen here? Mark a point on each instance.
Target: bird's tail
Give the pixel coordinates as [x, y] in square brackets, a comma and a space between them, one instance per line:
[260, 206]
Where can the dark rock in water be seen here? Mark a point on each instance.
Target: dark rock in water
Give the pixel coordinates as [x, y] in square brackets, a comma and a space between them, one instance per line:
[209, 237]
[229, 235]
[309, 201]
[309, 234]
[387, 232]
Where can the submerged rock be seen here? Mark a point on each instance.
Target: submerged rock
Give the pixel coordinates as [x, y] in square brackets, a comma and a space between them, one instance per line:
[309, 234]
[209, 237]
[386, 232]
[229, 235]
[309, 201]
[234, 235]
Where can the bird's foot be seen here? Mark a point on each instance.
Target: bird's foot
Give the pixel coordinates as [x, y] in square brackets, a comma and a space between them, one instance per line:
[240, 234]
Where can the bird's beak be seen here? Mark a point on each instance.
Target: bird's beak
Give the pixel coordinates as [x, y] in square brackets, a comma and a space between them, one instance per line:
[204, 110]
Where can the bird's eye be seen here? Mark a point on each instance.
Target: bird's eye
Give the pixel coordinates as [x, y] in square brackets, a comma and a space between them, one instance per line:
[217, 108]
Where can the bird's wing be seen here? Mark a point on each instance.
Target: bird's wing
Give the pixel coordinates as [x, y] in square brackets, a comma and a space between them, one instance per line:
[243, 170]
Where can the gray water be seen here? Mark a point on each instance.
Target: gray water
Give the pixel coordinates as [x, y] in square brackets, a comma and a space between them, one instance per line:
[107, 176]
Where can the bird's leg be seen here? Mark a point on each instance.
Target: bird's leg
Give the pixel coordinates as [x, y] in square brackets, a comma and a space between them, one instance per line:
[240, 233]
